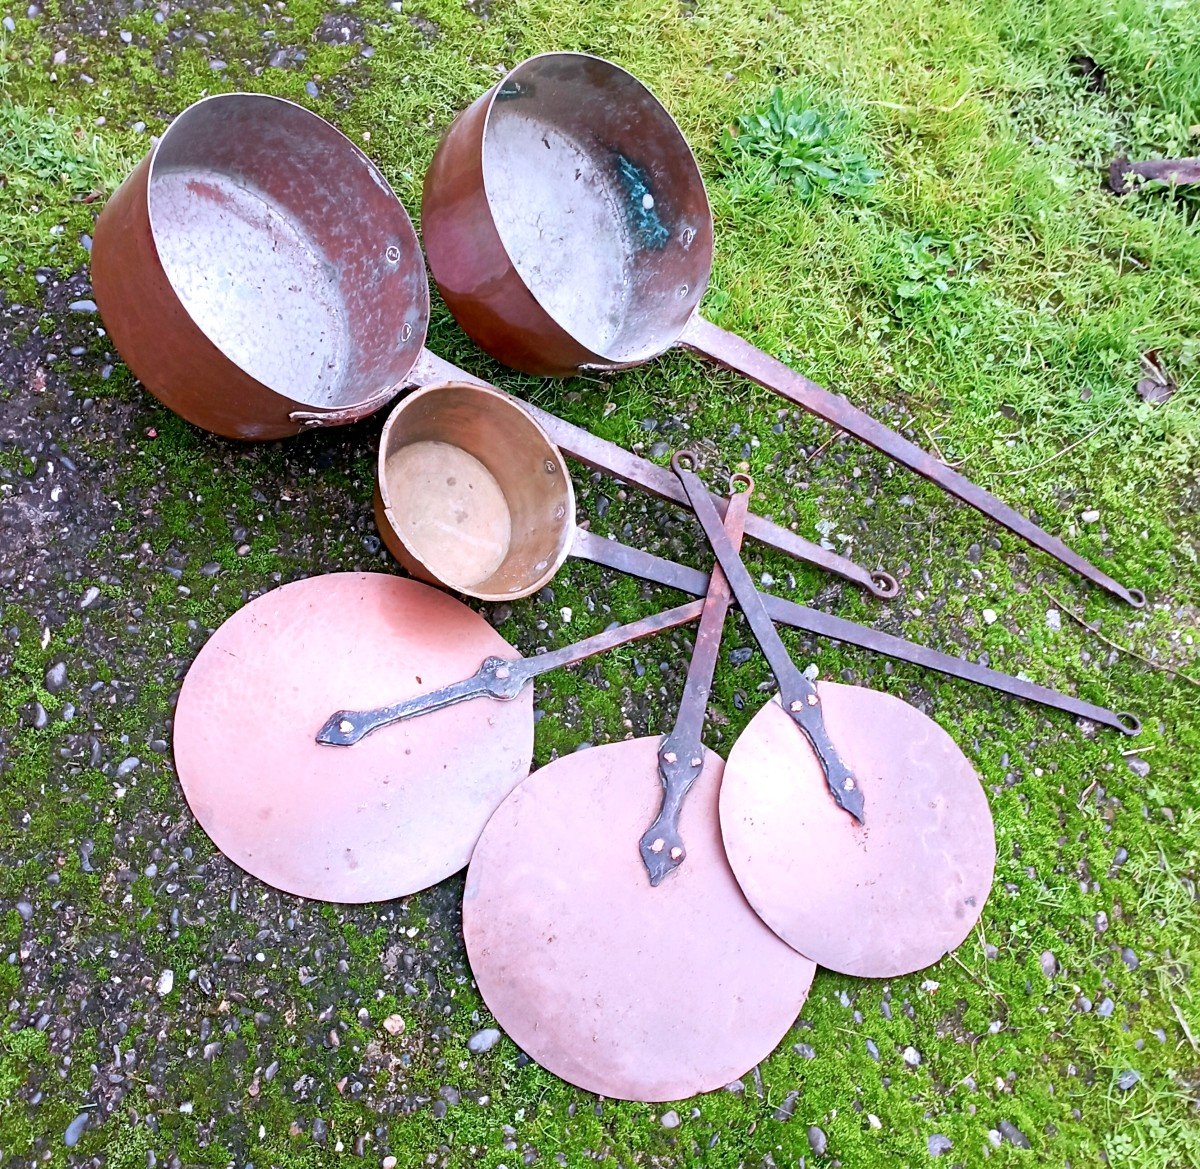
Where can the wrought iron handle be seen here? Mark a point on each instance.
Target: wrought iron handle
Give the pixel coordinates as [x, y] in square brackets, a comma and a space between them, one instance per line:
[496, 678]
[732, 352]
[681, 753]
[798, 695]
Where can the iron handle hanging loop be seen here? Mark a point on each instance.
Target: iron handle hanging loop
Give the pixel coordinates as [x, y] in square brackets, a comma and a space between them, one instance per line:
[797, 694]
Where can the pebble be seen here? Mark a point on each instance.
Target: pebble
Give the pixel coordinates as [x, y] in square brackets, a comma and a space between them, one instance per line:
[669, 1119]
[75, 1130]
[10, 25]
[56, 677]
[785, 1110]
[1139, 767]
[1105, 1009]
[388, 1163]
[912, 1056]
[310, 87]
[393, 1025]
[1129, 958]
[483, 1040]
[128, 765]
[37, 716]
[1049, 964]
[165, 983]
[1014, 1135]
[90, 598]
[817, 1140]
[740, 656]
[82, 306]
[873, 1050]
[1090, 516]
[990, 616]
[804, 1051]
[320, 1131]
[1053, 620]
[25, 910]
[939, 1144]
[974, 554]
[1126, 1080]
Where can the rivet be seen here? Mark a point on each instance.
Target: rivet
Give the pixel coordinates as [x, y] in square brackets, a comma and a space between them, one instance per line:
[848, 785]
[658, 845]
[677, 853]
[503, 672]
[670, 756]
[812, 700]
[345, 726]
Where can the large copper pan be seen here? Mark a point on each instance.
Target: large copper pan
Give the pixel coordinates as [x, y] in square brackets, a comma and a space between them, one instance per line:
[258, 275]
[567, 227]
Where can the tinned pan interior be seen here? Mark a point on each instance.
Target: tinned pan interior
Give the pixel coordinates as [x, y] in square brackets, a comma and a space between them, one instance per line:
[471, 494]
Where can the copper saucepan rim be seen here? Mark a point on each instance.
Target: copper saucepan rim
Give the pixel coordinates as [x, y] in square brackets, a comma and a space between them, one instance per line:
[682, 155]
[404, 228]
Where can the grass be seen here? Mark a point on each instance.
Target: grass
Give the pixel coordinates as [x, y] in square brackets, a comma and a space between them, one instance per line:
[986, 293]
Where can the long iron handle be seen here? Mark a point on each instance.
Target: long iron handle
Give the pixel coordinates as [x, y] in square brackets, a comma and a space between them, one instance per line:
[601, 455]
[797, 694]
[681, 753]
[589, 546]
[499, 678]
[732, 352]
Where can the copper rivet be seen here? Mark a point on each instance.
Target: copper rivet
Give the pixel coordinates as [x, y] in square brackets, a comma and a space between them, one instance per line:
[670, 756]
[677, 853]
[658, 845]
[812, 700]
[345, 726]
[849, 784]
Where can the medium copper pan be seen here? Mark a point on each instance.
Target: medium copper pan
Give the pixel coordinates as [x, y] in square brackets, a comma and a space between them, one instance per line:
[567, 227]
[258, 275]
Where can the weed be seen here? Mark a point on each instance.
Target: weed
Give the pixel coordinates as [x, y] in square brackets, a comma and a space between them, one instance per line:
[792, 142]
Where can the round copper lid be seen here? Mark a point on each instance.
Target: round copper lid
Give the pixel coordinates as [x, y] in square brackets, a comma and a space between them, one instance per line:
[393, 814]
[620, 988]
[875, 900]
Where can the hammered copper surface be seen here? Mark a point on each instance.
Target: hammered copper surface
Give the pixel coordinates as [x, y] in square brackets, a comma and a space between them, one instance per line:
[878, 900]
[256, 266]
[630, 991]
[471, 494]
[567, 227]
[397, 812]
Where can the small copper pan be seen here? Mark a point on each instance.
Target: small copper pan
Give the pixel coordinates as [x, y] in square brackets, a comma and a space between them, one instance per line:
[258, 275]
[471, 494]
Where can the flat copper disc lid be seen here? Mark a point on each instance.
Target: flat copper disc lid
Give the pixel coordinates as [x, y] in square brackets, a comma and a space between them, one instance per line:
[393, 814]
[619, 988]
[878, 900]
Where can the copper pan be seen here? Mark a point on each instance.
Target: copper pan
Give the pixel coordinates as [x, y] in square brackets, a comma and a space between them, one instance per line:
[567, 227]
[258, 275]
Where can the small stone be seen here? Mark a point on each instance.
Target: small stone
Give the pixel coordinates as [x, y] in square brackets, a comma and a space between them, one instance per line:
[1090, 516]
[320, 1131]
[805, 1051]
[740, 656]
[1049, 964]
[483, 1040]
[165, 983]
[90, 598]
[56, 677]
[310, 87]
[1101, 922]
[1126, 1080]
[785, 1110]
[1129, 958]
[216, 64]
[669, 1119]
[974, 554]
[1105, 1009]
[912, 1056]
[75, 1130]
[82, 306]
[990, 616]
[393, 1025]
[128, 765]
[817, 1140]
[1139, 767]
[388, 1163]
[939, 1144]
[25, 910]
[1014, 1135]
[873, 1050]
